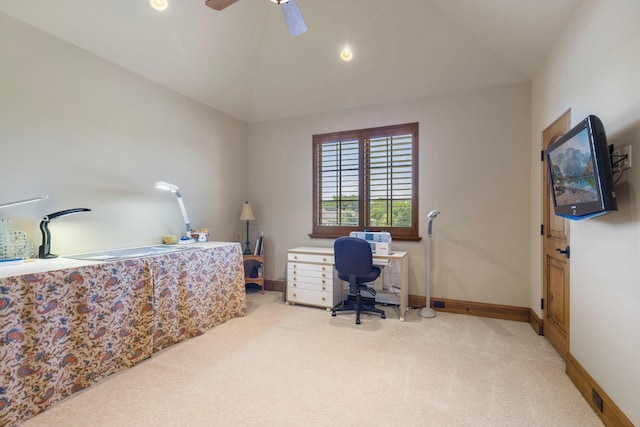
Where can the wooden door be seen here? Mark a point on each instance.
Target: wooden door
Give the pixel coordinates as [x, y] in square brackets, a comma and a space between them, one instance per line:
[556, 254]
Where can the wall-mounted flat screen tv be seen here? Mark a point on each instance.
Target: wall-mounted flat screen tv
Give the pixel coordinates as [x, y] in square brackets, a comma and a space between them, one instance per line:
[580, 173]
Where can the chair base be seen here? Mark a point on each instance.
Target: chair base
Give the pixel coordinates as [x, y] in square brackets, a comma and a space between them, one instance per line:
[359, 307]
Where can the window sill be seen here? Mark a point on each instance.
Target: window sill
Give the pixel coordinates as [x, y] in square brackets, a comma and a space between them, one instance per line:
[394, 238]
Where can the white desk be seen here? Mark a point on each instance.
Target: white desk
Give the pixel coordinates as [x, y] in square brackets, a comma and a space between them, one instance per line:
[312, 280]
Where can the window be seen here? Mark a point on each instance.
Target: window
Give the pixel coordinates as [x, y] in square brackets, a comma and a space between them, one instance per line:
[366, 179]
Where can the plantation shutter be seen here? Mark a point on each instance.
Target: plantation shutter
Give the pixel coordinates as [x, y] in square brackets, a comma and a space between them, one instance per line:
[388, 180]
[338, 179]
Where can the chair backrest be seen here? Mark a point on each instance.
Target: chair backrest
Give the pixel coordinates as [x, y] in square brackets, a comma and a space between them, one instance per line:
[352, 256]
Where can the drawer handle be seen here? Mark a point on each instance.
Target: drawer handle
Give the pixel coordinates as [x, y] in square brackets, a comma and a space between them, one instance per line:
[324, 259]
[295, 272]
[324, 288]
[323, 268]
[323, 282]
[295, 257]
[324, 299]
[295, 285]
[294, 265]
[295, 278]
[323, 275]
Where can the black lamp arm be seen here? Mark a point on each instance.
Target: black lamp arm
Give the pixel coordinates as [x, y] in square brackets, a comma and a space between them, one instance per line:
[63, 213]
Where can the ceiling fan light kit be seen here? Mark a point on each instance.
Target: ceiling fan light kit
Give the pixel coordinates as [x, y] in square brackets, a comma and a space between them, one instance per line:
[290, 10]
[159, 5]
[346, 54]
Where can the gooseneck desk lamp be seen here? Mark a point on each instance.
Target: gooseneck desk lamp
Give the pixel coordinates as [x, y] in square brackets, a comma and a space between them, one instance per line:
[161, 185]
[43, 251]
[427, 311]
[247, 215]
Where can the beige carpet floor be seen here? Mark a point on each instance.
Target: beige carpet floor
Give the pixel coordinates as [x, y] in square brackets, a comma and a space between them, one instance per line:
[293, 365]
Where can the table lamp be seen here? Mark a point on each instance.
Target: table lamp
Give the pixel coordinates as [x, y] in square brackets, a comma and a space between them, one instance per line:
[247, 215]
[161, 185]
[43, 251]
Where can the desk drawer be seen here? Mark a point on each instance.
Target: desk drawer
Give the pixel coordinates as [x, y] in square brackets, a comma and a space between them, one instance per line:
[310, 283]
[317, 259]
[310, 297]
[312, 268]
[310, 276]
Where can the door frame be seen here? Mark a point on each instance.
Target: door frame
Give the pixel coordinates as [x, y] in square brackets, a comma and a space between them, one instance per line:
[554, 335]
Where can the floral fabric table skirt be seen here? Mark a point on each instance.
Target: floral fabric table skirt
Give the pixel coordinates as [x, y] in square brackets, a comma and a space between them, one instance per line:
[64, 330]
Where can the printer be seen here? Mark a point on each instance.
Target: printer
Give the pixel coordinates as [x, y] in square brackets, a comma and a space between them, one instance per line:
[380, 241]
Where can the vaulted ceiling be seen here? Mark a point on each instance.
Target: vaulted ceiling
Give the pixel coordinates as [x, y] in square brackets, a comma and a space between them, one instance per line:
[242, 60]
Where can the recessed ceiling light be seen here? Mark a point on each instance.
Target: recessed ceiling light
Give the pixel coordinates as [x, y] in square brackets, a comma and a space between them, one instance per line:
[159, 4]
[346, 54]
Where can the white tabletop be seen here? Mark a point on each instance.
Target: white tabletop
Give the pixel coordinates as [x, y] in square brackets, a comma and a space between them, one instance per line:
[34, 266]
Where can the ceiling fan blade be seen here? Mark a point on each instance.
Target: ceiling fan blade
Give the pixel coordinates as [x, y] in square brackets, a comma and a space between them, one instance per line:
[293, 18]
[219, 4]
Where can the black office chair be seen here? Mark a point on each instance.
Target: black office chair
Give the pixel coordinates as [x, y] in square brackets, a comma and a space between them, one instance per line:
[354, 262]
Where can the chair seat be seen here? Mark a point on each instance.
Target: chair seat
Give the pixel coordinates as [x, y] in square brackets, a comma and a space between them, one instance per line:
[365, 278]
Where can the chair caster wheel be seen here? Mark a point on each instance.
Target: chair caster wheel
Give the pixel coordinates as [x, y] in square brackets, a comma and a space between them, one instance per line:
[383, 316]
[333, 314]
[358, 322]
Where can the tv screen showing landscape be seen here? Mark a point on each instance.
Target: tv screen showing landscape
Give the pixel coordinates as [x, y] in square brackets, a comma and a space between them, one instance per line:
[573, 171]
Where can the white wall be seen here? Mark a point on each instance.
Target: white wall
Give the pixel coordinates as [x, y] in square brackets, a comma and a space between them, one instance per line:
[91, 134]
[595, 69]
[474, 167]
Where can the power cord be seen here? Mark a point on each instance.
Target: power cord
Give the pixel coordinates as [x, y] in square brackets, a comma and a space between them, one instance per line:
[621, 159]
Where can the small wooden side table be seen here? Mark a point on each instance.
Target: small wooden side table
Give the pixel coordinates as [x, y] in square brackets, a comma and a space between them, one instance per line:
[255, 259]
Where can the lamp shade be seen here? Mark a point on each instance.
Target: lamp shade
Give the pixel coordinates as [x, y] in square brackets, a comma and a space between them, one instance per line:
[247, 213]
[161, 185]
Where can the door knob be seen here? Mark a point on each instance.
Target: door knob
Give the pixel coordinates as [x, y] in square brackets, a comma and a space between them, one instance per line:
[566, 251]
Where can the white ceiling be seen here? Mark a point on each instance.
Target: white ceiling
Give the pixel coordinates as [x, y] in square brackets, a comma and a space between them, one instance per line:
[243, 62]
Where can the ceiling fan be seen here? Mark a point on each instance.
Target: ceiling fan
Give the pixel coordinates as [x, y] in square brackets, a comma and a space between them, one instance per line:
[290, 10]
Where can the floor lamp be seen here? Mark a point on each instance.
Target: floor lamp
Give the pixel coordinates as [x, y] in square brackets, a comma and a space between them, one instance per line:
[427, 311]
[247, 215]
